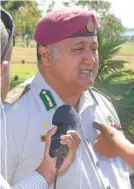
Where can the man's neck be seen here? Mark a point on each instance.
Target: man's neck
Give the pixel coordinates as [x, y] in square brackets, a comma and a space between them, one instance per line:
[69, 95]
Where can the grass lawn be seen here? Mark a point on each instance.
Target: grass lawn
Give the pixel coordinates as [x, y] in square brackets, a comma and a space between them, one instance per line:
[23, 71]
[126, 53]
[127, 50]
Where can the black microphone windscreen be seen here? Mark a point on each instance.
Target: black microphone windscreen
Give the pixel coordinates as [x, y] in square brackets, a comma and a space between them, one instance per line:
[65, 114]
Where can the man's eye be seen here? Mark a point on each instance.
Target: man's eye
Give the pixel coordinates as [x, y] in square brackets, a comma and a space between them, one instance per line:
[79, 49]
[94, 50]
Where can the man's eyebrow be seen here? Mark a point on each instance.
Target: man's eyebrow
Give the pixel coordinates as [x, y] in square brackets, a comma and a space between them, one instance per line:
[83, 42]
[80, 43]
[95, 43]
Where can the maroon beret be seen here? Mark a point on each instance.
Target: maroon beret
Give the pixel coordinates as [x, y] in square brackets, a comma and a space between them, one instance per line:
[62, 24]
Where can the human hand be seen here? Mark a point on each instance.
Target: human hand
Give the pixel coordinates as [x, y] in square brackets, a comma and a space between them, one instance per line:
[72, 141]
[48, 166]
[108, 141]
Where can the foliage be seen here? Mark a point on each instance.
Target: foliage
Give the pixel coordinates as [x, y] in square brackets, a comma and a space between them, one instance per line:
[107, 48]
[23, 71]
[108, 22]
[101, 7]
[51, 6]
[11, 5]
[111, 25]
[121, 94]
[25, 15]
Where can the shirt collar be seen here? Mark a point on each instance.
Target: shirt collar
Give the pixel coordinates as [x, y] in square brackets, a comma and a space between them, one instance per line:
[86, 101]
[39, 83]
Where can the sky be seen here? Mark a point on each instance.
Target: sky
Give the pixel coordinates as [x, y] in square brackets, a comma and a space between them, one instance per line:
[123, 9]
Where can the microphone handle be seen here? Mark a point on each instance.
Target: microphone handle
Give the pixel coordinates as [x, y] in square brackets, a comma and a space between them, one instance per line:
[57, 149]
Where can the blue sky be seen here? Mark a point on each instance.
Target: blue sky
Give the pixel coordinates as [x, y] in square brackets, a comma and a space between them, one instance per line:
[123, 9]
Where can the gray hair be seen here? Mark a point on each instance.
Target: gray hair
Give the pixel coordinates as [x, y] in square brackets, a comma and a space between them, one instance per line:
[54, 51]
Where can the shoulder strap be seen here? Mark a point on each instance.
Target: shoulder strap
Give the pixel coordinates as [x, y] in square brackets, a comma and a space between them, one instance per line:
[16, 93]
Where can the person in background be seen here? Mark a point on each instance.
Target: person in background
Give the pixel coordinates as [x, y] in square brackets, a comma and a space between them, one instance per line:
[45, 173]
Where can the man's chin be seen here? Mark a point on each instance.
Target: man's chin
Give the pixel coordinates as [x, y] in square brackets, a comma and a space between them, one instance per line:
[87, 84]
[85, 87]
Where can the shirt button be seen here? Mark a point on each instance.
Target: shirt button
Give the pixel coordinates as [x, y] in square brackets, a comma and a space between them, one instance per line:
[108, 187]
[98, 164]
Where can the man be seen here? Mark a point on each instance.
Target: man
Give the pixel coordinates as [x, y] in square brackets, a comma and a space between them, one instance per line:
[46, 171]
[68, 64]
[115, 144]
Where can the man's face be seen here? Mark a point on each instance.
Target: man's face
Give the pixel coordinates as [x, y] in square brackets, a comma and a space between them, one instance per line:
[76, 63]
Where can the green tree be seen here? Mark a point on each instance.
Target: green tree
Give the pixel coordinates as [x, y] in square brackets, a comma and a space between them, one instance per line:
[25, 15]
[101, 7]
[108, 22]
[108, 68]
[111, 25]
[108, 75]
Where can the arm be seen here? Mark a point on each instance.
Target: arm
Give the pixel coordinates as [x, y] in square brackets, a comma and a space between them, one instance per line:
[33, 180]
[111, 143]
[45, 173]
[125, 150]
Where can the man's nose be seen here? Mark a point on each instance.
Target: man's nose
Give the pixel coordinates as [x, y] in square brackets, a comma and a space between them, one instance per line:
[89, 57]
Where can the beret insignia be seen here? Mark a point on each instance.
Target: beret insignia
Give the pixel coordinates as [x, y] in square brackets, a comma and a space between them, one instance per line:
[90, 26]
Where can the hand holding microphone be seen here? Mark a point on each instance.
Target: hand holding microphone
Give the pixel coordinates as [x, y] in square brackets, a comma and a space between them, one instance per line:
[65, 141]
[72, 141]
[61, 143]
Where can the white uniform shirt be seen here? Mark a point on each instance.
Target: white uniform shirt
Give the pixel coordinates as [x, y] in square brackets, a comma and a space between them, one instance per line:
[25, 123]
[3, 183]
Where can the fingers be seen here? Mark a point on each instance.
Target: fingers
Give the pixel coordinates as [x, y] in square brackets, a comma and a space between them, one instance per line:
[51, 132]
[75, 137]
[48, 139]
[71, 138]
[106, 129]
[97, 126]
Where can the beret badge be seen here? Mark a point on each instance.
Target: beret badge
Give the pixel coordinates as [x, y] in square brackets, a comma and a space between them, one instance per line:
[90, 26]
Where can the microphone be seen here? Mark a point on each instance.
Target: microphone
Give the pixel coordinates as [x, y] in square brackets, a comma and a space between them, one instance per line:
[65, 118]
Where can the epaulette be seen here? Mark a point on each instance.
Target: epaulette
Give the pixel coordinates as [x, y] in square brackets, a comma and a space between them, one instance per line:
[96, 90]
[16, 93]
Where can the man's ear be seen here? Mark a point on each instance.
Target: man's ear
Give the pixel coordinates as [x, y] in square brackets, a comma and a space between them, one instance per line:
[45, 54]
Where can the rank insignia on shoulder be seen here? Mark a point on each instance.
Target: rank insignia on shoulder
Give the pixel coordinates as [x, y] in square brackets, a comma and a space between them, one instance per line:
[16, 93]
[47, 99]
